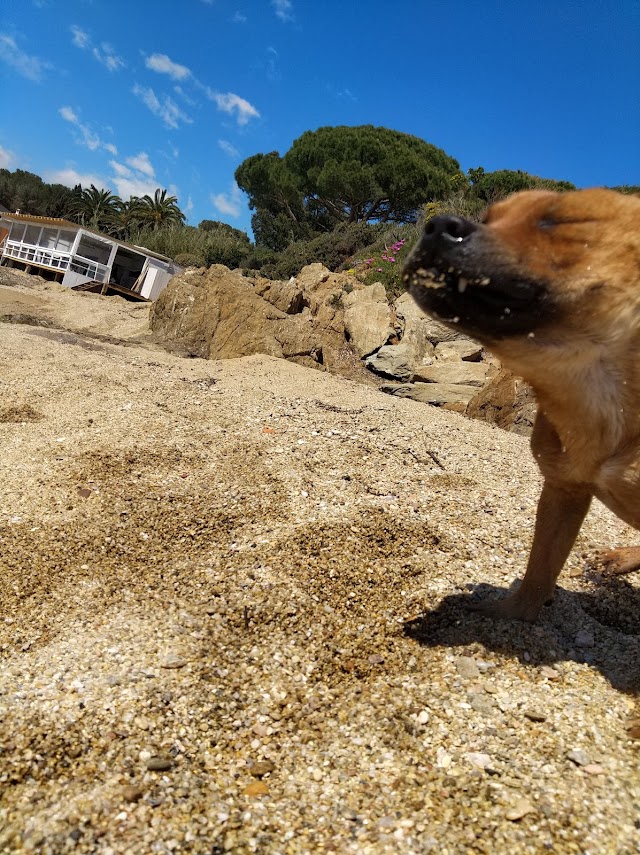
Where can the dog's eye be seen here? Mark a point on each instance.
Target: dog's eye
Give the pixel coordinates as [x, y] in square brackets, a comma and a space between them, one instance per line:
[548, 223]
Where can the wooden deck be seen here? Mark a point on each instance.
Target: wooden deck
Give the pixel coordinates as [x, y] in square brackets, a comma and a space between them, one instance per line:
[110, 289]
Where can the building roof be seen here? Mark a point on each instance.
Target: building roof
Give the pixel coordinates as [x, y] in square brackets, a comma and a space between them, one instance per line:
[60, 223]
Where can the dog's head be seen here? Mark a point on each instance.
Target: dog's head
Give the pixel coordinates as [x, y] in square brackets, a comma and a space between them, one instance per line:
[541, 263]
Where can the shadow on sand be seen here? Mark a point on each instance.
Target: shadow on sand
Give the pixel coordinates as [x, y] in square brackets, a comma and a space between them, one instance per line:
[600, 627]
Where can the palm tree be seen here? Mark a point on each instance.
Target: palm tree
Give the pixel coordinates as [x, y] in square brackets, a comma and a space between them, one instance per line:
[160, 211]
[96, 208]
[128, 216]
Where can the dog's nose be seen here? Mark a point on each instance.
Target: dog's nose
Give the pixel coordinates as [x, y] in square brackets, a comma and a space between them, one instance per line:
[448, 227]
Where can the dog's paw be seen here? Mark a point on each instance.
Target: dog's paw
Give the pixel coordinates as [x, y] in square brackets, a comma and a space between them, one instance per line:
[512, 607]
[617, 562]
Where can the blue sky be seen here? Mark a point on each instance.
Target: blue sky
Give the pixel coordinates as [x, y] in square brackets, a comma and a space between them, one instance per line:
[139, 94]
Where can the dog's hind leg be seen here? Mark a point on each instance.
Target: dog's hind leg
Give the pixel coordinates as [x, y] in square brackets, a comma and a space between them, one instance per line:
[617, 562]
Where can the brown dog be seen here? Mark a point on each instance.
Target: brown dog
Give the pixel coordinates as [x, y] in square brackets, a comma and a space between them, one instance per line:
[550, 282]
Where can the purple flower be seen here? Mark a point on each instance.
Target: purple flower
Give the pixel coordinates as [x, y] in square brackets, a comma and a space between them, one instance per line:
[379, 270]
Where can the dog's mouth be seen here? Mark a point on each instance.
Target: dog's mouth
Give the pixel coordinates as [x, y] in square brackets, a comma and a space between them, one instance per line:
[488, 304]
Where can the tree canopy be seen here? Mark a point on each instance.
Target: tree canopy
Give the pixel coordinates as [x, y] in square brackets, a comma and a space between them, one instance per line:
[493, 186]
[343, 175]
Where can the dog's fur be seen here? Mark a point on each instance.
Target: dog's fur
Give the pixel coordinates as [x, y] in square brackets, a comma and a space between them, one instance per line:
[550, 282]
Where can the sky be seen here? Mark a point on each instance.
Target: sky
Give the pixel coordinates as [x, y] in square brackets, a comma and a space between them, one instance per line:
[135, 95]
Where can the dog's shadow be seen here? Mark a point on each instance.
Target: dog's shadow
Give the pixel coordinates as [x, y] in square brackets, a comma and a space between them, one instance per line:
[599, 627]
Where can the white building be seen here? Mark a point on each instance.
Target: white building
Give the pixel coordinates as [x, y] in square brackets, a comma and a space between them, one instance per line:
[82, 258]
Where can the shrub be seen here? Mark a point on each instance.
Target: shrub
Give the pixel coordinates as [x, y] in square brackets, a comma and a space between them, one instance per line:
[188, 259]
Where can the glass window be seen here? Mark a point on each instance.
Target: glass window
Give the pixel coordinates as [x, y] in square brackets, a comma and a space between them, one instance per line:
[32, 234]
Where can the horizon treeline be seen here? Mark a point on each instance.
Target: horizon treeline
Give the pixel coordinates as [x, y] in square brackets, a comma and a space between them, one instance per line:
[349, 197]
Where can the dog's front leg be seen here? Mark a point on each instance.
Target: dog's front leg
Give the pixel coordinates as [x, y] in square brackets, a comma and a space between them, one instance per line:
[561, 510]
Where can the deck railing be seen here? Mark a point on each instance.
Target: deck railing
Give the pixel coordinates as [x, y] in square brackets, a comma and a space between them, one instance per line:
[54, 259]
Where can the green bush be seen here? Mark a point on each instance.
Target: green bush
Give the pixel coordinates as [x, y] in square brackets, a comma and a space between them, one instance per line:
[188, 259]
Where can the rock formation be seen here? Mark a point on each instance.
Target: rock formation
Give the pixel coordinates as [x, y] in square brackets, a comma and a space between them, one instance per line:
[331, 321]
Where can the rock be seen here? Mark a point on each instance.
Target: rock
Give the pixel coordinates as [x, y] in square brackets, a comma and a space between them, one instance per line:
[312, 276]
[466, 373]
[368, 319]
[463, 350]
[257, 788]
[392, 360]
[481, 703]
[520, 809]
[220, 314]
[215, 314]
[131, 793]
[159, 764]
[579, 757]
[584, 638]
[173, 661]
[480, 761]
[261, 768]
[431, 393]
[286, 296]
[507, 401]
[420, 328]
[467, 668]
[534, 715]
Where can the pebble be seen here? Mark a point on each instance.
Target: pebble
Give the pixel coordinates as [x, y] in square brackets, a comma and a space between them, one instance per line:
[261, 768]
[256, 788]
[131, 793]
[159, 764]
[549, 673]
[481, 761]
[423, 717]
[520, 809]
[534, 715]
[584, 639]
[467, 668]
[579, 757]
[481, 703]
[173, 661]
[594, 769]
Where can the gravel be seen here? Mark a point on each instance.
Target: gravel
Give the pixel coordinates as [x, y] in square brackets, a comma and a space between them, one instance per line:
[233, 617]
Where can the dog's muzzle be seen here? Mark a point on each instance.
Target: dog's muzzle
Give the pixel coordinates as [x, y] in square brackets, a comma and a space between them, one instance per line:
[456, 273]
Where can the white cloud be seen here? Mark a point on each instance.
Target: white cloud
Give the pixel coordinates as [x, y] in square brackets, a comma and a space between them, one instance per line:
[228, 204]
[239, 18]
[161, 63]
[104, 54]
[135, 177]
[81, 38]
[88, 137]
[167, 109]
[70, 177]
[234, 104]
[31, 67]
[141, 163]
[283, 9]
[228, 148]
[107, 56]
[6, 158]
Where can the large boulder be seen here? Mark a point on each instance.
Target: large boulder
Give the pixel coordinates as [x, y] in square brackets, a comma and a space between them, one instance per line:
[392, 360]
[287, 296]
[220, 314]
[420, 331]
[368, 319]
[468, 373]
[462, 349]
[216, 314]
[436, 394]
